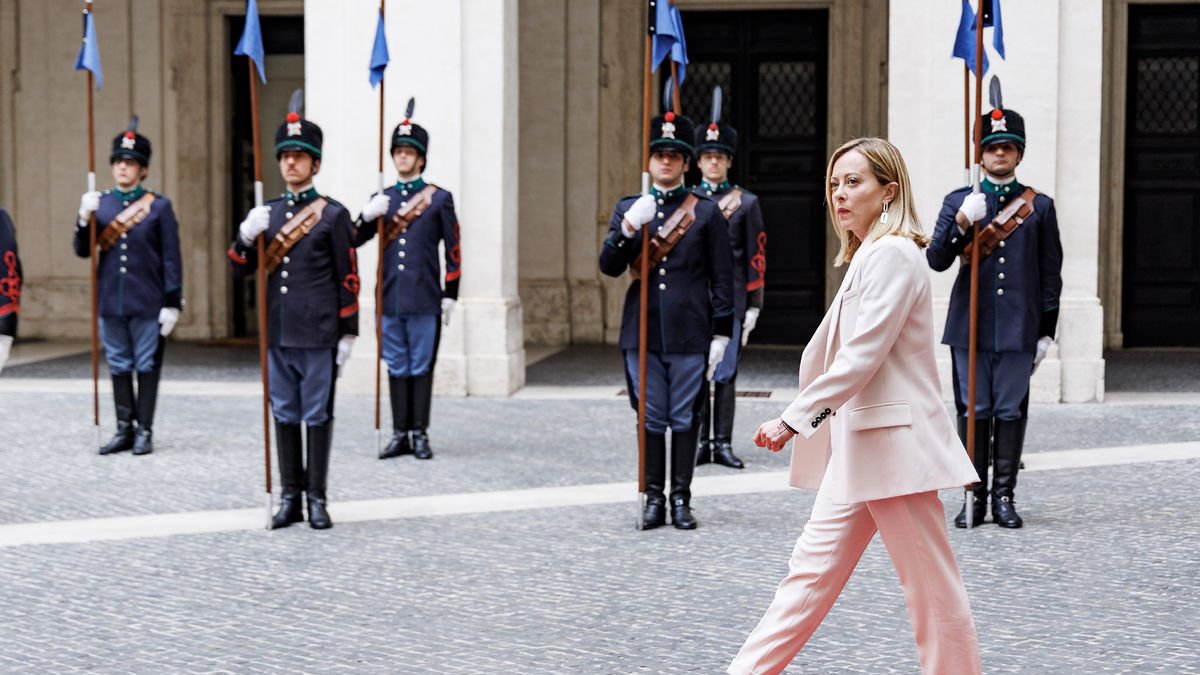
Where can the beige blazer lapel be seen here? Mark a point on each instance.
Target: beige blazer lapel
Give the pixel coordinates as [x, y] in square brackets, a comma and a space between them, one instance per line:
[835, 310]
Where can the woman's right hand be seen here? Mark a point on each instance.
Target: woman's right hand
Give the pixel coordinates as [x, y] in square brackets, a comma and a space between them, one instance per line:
[773, 435]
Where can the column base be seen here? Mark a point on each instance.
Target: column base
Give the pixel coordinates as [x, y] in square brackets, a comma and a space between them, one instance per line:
[482, 351]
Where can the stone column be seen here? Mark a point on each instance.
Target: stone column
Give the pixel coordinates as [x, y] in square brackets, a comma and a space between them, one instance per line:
[1080, 336]
[461, 66]
[484, 344]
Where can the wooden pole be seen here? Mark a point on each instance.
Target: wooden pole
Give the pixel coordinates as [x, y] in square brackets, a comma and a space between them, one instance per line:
[675, 89]
[972, 347]
[92, 256]
[966, 124]
[379, 276]
[261, 282]
[643, 296]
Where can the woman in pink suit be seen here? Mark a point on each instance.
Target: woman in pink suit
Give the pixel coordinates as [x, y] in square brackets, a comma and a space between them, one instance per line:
[871, 432]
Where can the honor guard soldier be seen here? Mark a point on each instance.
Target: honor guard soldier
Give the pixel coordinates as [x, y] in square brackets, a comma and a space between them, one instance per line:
[1020, 280]
[689, 314]
[140, 279]
[312, 310]
[10, 286]
[417, 216]
[715, 146]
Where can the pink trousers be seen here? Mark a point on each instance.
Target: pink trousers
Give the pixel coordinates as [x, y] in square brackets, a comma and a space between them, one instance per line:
[913, 528]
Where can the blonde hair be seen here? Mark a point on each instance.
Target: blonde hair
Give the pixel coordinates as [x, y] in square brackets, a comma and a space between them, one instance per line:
[888, 166]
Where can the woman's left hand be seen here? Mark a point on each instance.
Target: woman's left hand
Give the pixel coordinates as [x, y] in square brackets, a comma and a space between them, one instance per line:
[773, 435]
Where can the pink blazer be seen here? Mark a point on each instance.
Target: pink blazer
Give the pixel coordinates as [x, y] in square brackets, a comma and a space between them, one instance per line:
[870, 411]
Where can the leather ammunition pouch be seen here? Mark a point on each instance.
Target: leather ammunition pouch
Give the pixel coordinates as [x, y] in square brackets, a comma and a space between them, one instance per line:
[125, 221]
[669, 234]
[293, 231]
[1003, 225]
[412, 209]
[730, 202]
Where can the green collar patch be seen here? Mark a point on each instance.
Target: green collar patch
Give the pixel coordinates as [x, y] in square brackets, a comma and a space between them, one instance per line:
[716, 189]
[135, 193]
[670, 194]
[304, 196]
[413, 186]
[1013, 188]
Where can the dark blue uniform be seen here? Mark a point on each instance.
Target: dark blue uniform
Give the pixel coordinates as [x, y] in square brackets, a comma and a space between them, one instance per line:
[10, 277]
[690, 299]
[136, 279]
[748, 243]
[312, 301]
[412, 281]
[1019, 288]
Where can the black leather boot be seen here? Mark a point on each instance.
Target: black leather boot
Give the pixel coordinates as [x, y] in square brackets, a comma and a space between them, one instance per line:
[724, 403]
[399, 445]
[291, 475]
[1010, 439]
[655, 513]
[681, 513]
[703, 412]
[126, 416]
[320, 438]
[682, 443]
[422, 400]
[983, 437]
[147, 399]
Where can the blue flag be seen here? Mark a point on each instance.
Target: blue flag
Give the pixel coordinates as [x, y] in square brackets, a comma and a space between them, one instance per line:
[89, 51]
[997, 28]
[679, 49]
[251, 43]
[964, 39]
[379, 53]
[668, 37]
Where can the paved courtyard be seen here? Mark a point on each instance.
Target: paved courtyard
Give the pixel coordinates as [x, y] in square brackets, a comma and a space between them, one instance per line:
[514, 550]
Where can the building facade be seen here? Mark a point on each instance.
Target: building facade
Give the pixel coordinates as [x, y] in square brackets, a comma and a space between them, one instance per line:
[534, 111]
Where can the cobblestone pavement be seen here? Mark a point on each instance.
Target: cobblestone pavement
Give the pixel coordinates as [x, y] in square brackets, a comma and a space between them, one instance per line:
[1105, 578]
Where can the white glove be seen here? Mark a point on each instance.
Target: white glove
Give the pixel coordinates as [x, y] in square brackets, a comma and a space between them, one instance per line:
[257, 221]
[447, 307]
[167, 316]
[345, 345]
[716, 352]
[376, 208]
[1043, 346]
[749, 323]
[5, 346]
[88, 203]
[974, 207]
[640, 212]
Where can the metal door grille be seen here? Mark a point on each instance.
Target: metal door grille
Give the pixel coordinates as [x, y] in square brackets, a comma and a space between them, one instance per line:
[1168, 95]
[787, 91]
[696, 96]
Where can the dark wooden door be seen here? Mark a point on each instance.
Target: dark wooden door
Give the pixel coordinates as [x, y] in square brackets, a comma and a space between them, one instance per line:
[281, 35]
[1161, 285]
[772, 66]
